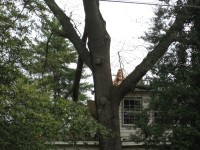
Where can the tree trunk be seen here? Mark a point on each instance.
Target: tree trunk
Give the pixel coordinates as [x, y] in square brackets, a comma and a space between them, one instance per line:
[108, 111]
[99, 47]
[109, 117]
[107, 108]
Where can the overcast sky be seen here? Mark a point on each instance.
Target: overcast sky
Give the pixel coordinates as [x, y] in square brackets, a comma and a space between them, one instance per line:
[126, 23]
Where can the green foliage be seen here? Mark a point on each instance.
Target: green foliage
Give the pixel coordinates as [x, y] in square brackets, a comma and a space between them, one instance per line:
[77, 124]
[24, 116]
[29, 118]
[35, 75]
[53, 63]
[175, 87]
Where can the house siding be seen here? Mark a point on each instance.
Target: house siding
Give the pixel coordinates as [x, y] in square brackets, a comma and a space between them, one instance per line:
[127, 130]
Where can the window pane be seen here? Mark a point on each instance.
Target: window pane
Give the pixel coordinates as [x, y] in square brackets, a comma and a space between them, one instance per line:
[131, 110]
[126, 102]
[132, 102]
[126, 108]
[126, 118]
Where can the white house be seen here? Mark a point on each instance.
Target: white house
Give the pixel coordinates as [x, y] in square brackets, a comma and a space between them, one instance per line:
[130, 111]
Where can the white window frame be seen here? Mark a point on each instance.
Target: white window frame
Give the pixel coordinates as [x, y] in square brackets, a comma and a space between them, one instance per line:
[131, 109]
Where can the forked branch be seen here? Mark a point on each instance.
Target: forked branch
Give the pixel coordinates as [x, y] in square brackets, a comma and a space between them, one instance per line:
[69, 31]
[152, 57]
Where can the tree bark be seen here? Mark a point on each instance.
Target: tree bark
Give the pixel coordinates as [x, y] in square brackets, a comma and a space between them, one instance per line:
[109, 116]
[70, 32]
[77, 79]
[79, 70]
[99, 46]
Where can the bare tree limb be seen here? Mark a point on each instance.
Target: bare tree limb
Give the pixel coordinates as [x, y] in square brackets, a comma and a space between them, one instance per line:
[75, 87]
[77, 79]
[98, 37]
[79, 69]
[70, 32]
[151, 58]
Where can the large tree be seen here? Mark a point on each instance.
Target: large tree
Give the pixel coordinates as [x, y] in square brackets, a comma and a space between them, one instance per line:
[96, 55]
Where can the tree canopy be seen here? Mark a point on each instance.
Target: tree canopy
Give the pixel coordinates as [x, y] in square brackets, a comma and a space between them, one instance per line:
[175, 84]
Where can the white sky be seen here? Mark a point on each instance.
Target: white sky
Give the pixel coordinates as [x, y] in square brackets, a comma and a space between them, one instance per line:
[126, 23]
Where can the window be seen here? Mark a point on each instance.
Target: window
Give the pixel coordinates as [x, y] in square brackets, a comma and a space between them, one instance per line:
[131, 110]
